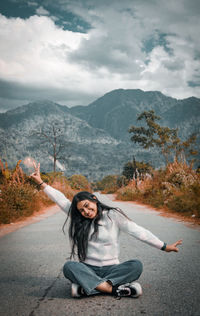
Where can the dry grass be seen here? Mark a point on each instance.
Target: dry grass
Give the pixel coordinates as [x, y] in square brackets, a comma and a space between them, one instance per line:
[176, 188]
[20, 197]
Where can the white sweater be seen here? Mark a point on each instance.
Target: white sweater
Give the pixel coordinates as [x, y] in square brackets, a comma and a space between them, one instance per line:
[104, 250]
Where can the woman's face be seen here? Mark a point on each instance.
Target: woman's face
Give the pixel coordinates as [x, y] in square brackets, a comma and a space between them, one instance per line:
[87, 208]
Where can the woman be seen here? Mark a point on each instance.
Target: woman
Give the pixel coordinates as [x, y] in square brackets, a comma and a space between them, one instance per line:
[94, 232]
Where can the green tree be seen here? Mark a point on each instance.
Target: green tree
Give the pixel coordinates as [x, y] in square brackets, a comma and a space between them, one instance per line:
[134, 169]
[154, 134]
[166, 139]
[186, 149]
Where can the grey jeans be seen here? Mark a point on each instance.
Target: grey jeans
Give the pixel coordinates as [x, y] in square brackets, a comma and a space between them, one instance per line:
[89, 276]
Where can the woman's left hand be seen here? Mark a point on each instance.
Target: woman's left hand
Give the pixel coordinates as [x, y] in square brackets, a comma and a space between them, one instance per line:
[173, 247]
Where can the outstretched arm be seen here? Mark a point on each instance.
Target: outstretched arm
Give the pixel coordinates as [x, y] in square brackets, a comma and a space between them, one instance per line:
[55, 195]
[36, 176]
[139, 232]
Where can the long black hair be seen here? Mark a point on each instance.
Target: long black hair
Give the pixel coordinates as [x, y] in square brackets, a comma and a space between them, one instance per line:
[79, 226]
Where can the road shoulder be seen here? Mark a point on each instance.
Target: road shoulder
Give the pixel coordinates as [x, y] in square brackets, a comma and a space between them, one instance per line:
[34, 218]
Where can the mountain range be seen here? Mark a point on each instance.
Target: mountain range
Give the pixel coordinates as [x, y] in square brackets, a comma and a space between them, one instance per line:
[96, 136]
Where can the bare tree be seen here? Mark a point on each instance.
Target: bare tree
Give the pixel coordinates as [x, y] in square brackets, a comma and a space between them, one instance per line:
[52, 137]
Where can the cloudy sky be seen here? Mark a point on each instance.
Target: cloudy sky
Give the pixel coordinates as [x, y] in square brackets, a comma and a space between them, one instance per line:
[74, 51]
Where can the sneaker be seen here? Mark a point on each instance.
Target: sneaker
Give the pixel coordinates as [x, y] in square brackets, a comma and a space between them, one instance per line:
[133, 289]
[77, 290]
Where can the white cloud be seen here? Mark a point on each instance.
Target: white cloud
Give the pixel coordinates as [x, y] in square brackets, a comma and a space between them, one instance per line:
[36, 53]
[41, 11]
[32, 3]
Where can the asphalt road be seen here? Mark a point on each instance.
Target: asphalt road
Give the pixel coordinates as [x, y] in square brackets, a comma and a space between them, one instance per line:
[32, 283]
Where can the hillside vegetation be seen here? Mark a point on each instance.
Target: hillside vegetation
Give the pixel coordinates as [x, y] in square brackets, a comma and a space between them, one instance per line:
[92, 140]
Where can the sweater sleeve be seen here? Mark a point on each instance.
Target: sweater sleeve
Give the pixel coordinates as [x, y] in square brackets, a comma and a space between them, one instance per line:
[58, 197]
[139, 232]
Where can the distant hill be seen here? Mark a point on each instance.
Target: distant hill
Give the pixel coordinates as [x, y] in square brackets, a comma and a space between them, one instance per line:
[117, 110]
[96, 136]
[30, 111]
[185, 116]
[87, 149]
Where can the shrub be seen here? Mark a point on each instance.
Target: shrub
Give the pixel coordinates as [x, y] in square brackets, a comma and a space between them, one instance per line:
[186, 200]
[108, 184]
[121, 181]
[17, 200]
[51, 177]
[127, 193]
[176, 188]
[79, 182]
[180, 174]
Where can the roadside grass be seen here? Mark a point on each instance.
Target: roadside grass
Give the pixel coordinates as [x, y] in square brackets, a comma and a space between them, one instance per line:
[20, 197]
[177, 188]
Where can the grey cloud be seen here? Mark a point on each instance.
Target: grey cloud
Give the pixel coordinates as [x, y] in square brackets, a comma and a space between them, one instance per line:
[114, 42]
[192, 7]
[10, 104]
[14, 94]
[195, 81]
[104, 52]
[174, 65]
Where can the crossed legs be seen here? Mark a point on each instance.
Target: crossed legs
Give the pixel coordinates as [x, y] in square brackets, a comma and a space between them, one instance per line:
[95, 279]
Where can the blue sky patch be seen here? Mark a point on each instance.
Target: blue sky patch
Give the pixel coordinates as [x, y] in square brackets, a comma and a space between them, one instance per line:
[157, 39]
[24, 9]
